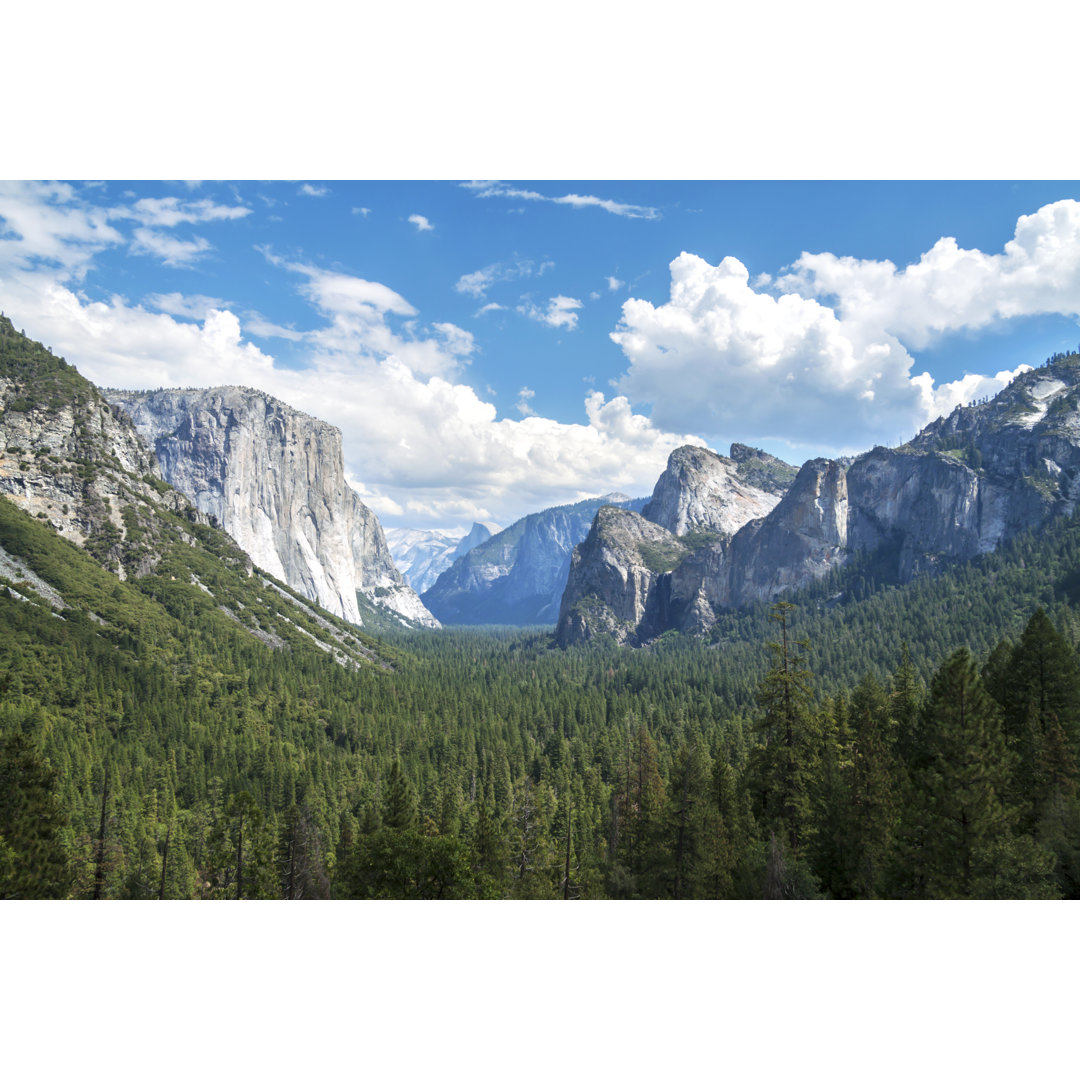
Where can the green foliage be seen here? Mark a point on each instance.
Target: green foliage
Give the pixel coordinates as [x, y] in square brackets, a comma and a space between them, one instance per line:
[33, 864]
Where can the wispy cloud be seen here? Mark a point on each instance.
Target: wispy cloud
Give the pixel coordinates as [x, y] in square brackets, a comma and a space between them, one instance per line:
[312, 190]
[487, 189]
[614, 284]
[363, 211]
[170, 250]
[479, 281]
[489, 307]
[255, 324]
[525, 395]
[560, 311]
[196, 307]
[169, 212]
[422, 224]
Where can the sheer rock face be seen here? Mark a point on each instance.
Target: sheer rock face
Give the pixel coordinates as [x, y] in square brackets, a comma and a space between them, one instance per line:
[617, 582]
[965, 484]
[519, 575]
[274, 479]
[804, 537]
[701, 490]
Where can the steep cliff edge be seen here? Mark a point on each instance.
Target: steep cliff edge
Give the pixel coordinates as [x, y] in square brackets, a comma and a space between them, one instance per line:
[274, 478]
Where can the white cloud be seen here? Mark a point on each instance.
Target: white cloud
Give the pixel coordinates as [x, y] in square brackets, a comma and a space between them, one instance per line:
[560, 311]
[479, 281]
[422, 224]
[952, 288]
[525, 395]
[169, 249]
[614, 284]
[426, 448]
[47, 223]
[363, 211]
[169, 212]
[489, 307]
[255, 324]
[312, 191]
[186, 307]
[486, 189]
[336, 293]
[724, 358]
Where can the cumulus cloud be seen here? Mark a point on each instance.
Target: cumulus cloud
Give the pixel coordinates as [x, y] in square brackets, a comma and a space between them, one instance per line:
[560, 311]
[313, 191]
[820, 357]
[952, 288]
[418, 446]
[422, 224]
[487, 189]
[614, 284]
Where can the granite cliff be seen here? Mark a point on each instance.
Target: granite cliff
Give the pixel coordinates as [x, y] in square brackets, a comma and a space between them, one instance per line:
[274, 479]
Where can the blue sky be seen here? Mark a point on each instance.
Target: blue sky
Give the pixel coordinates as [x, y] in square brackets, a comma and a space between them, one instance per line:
[492, 347]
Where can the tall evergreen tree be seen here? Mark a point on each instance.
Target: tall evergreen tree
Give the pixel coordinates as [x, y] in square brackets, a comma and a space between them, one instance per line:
[785, 762]
[959, 840]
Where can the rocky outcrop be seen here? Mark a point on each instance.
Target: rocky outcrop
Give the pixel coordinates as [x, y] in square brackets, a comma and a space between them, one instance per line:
[702, 491]
[518, 576]
[619, 579]
[965, 484]
[69, 458]
[274, 479]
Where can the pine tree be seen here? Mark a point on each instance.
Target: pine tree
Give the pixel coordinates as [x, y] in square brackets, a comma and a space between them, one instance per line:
[399, 808]
[1041, 685]
[785, 763]
[874, 802]
[958, 826]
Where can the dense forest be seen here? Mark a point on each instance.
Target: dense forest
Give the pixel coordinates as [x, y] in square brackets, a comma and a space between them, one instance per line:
[866, 740]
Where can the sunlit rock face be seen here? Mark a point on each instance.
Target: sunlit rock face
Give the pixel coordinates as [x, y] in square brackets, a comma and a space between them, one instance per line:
[274, 479]
[701, 490]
